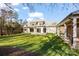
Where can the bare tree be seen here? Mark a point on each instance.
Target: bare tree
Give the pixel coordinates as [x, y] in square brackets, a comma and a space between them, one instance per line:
[8, 25]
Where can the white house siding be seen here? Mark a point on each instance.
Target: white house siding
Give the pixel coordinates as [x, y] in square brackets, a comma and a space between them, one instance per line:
[51, 29]
[48, 30]
[39, 27]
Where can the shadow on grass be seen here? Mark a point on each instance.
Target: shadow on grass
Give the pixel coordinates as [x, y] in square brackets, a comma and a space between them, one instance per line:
[12, 51]
[28, 47]
[57, 47]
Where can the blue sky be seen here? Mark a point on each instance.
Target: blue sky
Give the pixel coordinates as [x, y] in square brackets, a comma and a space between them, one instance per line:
[54, 12]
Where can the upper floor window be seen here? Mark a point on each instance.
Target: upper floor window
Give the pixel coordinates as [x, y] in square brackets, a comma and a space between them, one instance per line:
[43, 22]
[32, 24]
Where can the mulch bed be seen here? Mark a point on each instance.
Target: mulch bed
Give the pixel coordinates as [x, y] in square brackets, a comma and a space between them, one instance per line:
[13, 51]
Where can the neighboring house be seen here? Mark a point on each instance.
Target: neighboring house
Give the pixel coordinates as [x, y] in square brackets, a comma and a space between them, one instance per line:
[68, 29]
[39, 26]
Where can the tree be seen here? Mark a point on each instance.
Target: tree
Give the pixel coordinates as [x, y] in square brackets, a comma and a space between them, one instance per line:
[2, 19]
[8, 21]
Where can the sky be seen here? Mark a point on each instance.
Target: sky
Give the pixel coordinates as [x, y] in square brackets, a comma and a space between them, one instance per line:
[54, 12]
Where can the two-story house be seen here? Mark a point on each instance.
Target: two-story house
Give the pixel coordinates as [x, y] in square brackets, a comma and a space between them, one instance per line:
[39, 26]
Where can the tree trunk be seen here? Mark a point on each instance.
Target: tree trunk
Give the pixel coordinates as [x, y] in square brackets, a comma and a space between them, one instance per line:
[1, 33]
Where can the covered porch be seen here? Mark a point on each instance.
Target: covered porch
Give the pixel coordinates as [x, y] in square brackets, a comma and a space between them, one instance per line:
[35, 30]
[68, 29]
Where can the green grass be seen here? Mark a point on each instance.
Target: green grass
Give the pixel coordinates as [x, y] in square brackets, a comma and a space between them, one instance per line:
[49, 44]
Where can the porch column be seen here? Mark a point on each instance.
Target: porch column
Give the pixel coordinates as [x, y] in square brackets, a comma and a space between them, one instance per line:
[74, 32]
[65, 31]
[41, 29]
[28, 30]
[35, 30]
[58, 31]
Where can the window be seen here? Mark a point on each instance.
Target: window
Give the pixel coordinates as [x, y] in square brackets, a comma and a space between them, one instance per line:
[25, 29]
[43, 22]
[44, 30]
[31, 30]
[38, 30]
[32, 24]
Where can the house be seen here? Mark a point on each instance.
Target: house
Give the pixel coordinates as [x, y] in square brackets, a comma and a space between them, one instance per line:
[39, 26]
[68, 29]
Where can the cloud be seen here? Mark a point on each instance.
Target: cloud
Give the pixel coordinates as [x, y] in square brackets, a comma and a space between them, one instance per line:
[25, 8]
[36, 14]
[16, 9]
[15, 4]
[33, 15]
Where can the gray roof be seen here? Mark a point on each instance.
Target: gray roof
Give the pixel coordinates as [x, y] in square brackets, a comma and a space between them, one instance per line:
[47, 23]
[71, 14]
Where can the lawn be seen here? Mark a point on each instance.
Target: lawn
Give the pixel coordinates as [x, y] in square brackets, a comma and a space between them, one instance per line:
[49, 45]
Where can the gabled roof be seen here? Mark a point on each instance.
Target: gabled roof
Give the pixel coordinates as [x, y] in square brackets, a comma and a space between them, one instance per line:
[75, 12]
[71, 14]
